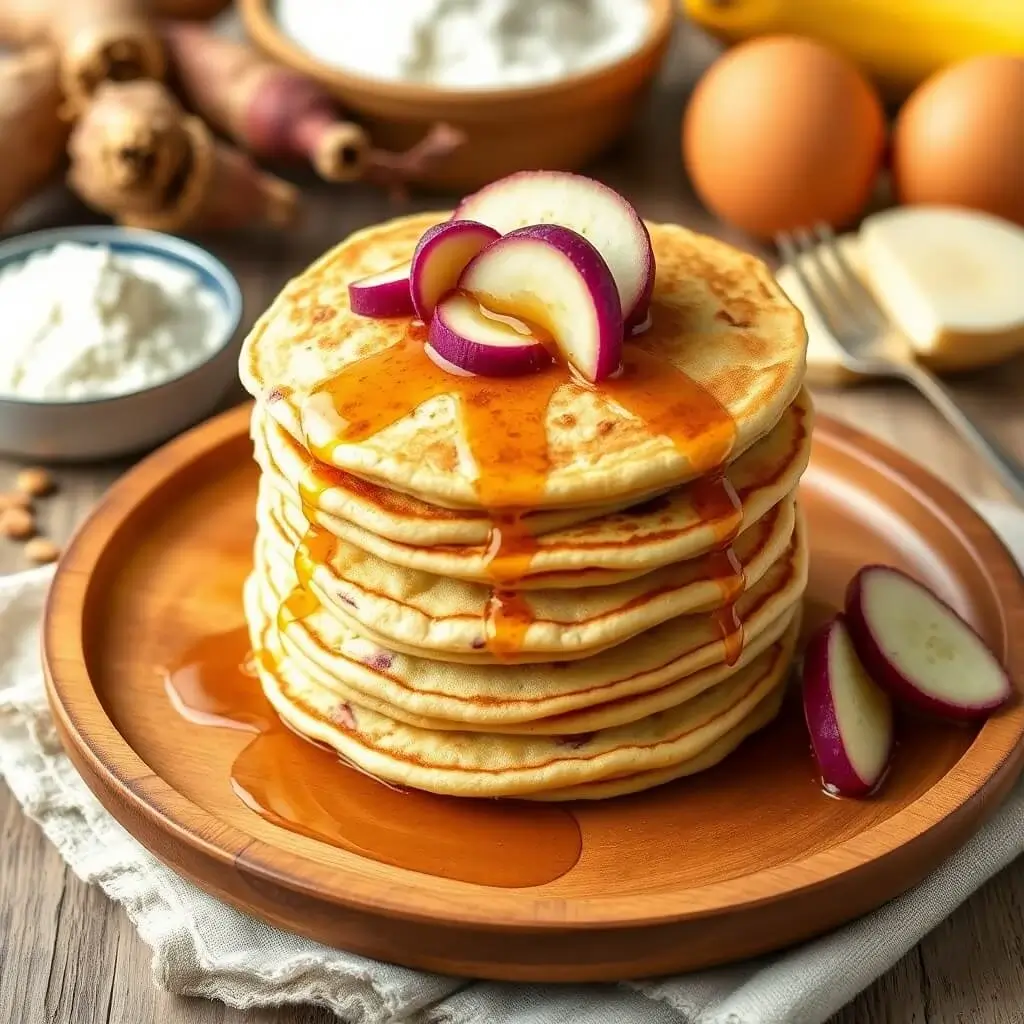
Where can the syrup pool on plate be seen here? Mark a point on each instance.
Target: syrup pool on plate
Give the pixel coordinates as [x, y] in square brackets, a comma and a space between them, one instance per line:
[305, 788]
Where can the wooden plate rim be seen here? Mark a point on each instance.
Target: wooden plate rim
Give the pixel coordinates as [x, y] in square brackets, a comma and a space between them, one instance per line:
[86, 727]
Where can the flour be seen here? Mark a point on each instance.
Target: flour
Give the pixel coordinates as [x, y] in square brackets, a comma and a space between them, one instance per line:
[83, 322]
[467, 44]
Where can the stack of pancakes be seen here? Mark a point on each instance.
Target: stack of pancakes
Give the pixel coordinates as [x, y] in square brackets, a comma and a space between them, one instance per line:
[631, 623]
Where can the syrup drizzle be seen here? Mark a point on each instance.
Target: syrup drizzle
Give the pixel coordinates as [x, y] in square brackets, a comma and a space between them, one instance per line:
[505, 424]
[507, 618]
[305, 788]
[716, 502]
[310, 552]
[731, 579]
[507, 614]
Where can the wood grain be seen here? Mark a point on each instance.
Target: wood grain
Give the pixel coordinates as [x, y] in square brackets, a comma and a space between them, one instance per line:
[161, 564]
[969, 969]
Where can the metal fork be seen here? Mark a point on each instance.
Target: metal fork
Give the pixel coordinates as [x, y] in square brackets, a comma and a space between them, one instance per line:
[870, 343]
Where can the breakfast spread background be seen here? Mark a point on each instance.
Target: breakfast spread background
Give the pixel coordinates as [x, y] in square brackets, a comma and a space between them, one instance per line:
[528, 522]
[158, 118]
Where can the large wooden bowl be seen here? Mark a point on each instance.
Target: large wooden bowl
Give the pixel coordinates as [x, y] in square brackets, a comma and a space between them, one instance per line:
[556, 126]
[739, 860]
[199, 10]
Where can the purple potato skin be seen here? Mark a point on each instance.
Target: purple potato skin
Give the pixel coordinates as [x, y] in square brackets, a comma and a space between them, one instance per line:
[435, 239]
[638, 307]
[481, 359]
[883, 670]
[381, 301]
[592, 268]
[642, 307]
[820, 715]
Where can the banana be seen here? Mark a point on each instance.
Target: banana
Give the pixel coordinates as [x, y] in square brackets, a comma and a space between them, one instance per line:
[898, 42]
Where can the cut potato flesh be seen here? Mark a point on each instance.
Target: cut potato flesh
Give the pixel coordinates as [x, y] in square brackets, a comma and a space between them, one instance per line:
[849, 717]
[920, 649]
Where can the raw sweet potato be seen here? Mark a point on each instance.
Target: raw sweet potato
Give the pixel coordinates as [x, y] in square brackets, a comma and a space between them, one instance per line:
[267, 109]
[276, 113]
[31, 130]
[139, 157]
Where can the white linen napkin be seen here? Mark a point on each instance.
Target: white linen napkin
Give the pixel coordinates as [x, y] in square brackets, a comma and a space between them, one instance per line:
[202, 947]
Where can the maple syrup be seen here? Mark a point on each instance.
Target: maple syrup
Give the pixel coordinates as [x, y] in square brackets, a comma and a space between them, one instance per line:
[507, 618]
[510, 548]
[504, 421]
[718, 505]
[728, 572]
[305, 788]
[716, 502]
[502, 417]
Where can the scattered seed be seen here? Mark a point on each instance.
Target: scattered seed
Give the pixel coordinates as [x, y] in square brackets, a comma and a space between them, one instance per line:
[17, 524]
[15, 499]
[35, 481]
[41, 551]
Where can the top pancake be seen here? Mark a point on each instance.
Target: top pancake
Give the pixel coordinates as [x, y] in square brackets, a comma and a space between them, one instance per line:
[682, 523]
[719, 320]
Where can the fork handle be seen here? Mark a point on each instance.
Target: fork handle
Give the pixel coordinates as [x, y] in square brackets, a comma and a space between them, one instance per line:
[1009, 469]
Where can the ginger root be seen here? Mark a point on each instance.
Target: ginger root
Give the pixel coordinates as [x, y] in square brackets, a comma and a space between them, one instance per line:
[25, 21]
[96, 40]
[32, 133]
[139, 157]
[130, 148]
[105, 40]
[29, 21]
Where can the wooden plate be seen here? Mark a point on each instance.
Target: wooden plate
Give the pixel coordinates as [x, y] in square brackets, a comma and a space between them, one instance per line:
[743, 859]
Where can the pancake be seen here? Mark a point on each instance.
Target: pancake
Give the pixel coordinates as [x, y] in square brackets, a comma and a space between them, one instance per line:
[722, 360]
[587, 720]
[434, 616]
[506, 697]
[494, 765]
[678, 525]
[764, 713]
[379, 513]
[529, 587]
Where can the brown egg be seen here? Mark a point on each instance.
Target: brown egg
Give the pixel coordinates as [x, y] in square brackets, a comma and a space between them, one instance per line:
[783, 132]
[959, 139]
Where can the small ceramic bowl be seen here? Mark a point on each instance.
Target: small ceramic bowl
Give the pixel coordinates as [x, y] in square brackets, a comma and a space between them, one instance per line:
[558, 125]
[80, 430]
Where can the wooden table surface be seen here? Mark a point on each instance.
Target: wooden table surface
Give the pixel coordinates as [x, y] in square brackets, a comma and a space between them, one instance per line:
[69, 955]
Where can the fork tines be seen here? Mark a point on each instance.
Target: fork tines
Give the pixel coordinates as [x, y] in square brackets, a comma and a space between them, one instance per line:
[834, 290]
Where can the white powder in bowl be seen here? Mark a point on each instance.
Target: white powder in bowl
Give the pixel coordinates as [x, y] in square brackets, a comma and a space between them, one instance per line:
[466, 44]
[81, 321]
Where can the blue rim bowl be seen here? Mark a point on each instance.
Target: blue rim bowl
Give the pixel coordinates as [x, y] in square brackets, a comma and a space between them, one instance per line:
[111, 425]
